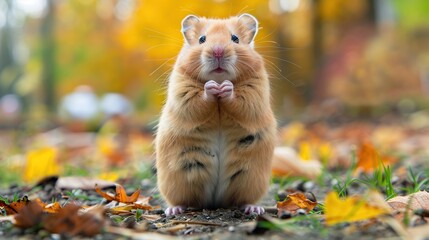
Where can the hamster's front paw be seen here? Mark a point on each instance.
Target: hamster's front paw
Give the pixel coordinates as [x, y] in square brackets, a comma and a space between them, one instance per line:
[226, 90]
[211, 90]
[170, 211]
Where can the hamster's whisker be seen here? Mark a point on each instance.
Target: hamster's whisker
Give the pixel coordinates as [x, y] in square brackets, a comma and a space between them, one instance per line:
[271, 64]
[162, 34]
[160, 66]
[165, 73]
[162, 44]
[248, 65]
[283, 60]
[269, 34]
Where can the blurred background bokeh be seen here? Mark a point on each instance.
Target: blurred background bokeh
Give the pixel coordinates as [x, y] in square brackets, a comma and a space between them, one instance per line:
[101, 66]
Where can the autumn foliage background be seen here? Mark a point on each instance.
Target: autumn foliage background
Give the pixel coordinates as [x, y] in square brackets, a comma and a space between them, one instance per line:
[82, 83]
[333, 63]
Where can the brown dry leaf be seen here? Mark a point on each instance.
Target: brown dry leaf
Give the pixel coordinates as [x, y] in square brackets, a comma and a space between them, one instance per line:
[120, 196]
[407, 204]
[29, 216]
[296, 201]
[416, 201]
[15, 207]
[69, 221]
[144, 207]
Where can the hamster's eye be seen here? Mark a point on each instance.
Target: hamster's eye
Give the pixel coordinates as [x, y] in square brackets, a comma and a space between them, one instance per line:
[202, 39]
[235, 38]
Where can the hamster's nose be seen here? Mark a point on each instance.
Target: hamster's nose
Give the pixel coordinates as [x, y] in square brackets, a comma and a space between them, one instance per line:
[218, 51]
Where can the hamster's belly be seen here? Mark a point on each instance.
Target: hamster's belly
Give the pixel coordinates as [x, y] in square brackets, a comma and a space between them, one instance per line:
[215, 189]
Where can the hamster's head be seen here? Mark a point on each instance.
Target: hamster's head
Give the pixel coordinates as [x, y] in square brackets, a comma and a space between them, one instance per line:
[219, 49]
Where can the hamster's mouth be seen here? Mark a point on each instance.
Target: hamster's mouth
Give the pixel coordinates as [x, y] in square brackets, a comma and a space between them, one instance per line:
[219, 70]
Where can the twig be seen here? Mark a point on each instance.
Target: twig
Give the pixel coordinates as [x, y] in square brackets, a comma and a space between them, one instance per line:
[196, 222]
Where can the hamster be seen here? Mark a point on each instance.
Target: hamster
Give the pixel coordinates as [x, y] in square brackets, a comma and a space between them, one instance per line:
[216, 134]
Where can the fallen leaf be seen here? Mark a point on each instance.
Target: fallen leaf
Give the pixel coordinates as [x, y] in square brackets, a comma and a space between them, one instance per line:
[305, 151]
[41, 163]
[29, 216]
[407, 204]
[15, 207]
[418, 200]
[120, 196]
[286, 162]
[49, 208]
[70, 222]
[291, 133]
[369, 159]
[296, 201]
[355, 208]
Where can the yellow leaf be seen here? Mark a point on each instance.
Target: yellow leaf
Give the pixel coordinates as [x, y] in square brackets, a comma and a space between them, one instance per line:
[292, 133]
[305, 151]
[356, 208]
[41, 163]
[109, 176]
[325, 152]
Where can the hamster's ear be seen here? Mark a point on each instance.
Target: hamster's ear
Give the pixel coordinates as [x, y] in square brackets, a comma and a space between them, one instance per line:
[251, 24]
[187, 23]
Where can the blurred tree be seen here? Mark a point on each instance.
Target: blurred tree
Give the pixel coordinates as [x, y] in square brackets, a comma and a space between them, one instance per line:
[48, 56]
[10, 69]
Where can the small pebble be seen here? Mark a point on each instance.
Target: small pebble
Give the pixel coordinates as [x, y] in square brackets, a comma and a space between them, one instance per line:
[308, 186]
[281, 195]
[146, 183]
[301, 212]
[285, 215]
[334, 182]
[231, 228]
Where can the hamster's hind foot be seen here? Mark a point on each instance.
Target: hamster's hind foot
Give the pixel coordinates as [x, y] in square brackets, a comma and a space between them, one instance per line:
[250, 209]
[170, 211]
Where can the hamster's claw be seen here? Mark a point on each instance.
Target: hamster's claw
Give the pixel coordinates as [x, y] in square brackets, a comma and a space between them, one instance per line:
[170, 211]
[250, 209]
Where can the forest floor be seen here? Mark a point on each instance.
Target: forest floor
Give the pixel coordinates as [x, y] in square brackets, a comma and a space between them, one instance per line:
[69, 205]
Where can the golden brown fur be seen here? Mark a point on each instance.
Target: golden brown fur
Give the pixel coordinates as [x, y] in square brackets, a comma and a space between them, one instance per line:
[216, 152]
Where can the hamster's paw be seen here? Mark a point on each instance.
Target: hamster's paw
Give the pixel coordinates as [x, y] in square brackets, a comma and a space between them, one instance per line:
[226, 89]
[211, 90]
[170, 211]
[249, 209]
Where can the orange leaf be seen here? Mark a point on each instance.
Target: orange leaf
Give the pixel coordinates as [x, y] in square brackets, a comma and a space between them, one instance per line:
[120, 196]
[15, 207]
[49, 208]
[295, 201]
[369, 158]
